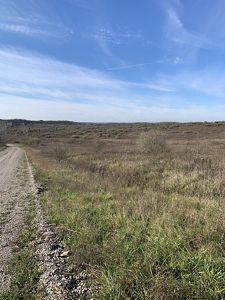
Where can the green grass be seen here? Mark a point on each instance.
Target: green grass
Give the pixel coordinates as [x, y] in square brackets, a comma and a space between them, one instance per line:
[23, 266]
[145, 226]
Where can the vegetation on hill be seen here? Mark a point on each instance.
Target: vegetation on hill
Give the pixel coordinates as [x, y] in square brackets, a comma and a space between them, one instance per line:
[143, 213]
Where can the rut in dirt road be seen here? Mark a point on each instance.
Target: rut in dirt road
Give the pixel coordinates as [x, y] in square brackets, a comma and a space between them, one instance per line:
[14, 200]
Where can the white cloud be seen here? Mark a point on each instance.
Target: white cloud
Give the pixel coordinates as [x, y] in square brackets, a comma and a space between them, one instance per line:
[174, 61]
[177, 32]
[35, 29]
[174, 19]
[37, 87]
[107, 38]
[24, 20]
[115, 37]
[31, 75]
[22, 29]
[209, 82]
[25, 73]
[178, 60]
[16, 107]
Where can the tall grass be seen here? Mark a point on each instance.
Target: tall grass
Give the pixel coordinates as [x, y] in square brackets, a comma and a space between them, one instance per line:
[144, 228]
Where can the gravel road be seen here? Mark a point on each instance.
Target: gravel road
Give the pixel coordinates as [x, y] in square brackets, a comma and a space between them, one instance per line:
[14, 200]
[16, 186]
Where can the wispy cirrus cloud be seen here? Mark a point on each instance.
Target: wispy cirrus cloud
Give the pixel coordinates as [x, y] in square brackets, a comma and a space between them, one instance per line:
[107, 39]
[35, 85]
[32, 75]
[115, 37]
[28, 22]
[24, 29]
[175, 60]
[185, 28]
[208, 82]
[178, 33]
[35, 29]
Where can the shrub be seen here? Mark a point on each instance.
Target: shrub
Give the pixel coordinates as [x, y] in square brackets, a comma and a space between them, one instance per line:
[152, 141]
[59, 152]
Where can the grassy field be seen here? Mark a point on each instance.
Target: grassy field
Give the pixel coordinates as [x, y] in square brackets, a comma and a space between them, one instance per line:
[143, 213]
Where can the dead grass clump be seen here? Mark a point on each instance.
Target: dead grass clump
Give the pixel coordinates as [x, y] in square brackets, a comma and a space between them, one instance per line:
[152, 141]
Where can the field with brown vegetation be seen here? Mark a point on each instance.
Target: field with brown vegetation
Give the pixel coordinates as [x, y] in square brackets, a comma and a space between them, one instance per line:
[140, 206]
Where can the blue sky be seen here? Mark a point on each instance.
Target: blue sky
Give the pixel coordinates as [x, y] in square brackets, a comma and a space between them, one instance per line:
[112, 60]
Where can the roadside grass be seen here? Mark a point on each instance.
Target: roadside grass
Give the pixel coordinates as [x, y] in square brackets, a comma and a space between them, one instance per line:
[144, 225]
[23, 266]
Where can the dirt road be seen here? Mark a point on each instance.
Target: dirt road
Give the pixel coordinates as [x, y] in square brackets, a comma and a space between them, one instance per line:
[14, 199]
[16, 188]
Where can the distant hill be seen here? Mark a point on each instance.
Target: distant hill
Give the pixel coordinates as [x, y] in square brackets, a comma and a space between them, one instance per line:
[19, 130]
[19, 122]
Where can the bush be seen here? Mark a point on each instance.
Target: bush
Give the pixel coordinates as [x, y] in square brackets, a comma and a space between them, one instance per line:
[152, 141]
[59, 152]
